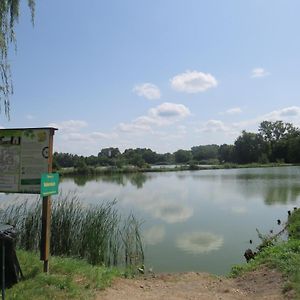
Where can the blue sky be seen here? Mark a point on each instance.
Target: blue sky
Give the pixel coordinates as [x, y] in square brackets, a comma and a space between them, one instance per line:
[159, 74]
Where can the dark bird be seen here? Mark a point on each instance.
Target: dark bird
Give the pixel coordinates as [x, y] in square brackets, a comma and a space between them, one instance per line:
[249, 255]
[289, 212]
[271, 231]
[250, 241]
[278, 222]
[295, 208]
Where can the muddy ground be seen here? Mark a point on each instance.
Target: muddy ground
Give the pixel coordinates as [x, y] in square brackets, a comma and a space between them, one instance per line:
[260, 284]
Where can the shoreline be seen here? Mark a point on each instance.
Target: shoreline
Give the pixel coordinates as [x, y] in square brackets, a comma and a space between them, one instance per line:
[91, 171]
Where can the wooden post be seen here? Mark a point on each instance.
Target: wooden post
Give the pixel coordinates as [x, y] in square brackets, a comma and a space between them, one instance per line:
[46, 214]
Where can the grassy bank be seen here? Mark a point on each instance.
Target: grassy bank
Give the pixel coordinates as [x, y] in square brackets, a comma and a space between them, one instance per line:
[68, 279]
[191, 167]
[282, 255]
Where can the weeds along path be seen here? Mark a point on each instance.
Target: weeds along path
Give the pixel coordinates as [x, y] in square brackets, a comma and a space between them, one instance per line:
[261, 284]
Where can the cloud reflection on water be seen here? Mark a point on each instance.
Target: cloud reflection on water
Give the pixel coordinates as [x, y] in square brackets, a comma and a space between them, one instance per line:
[154, 235]
[199, 242]
[171, 212]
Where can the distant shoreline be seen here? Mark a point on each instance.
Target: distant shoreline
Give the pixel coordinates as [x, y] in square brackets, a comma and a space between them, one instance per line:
[158, 169]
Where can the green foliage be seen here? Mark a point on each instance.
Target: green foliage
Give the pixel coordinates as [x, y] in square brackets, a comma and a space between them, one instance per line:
[249, 147]
[182, 156]
[276, 142]
[294, 225]
[282, 255]
[68, 279]
[98, 233]
[9, 15]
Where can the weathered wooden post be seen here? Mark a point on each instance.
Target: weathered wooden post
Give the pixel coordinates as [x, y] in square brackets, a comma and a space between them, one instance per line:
[46, 213]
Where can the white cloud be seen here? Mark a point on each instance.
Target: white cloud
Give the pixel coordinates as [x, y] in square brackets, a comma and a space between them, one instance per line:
[259, 72]
[161, 115]
[193, 82]
[170, 111]
[29, 117]
[70, 125]
[232, 111]
[101, 135]
[287, 114]
[214, 126]
[134, 127]
[147, 90]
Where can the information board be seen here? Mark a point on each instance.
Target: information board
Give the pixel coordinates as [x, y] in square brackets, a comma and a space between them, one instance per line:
[24, 156]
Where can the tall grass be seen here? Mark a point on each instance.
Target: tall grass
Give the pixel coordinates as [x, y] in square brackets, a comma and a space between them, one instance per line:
[97, 233]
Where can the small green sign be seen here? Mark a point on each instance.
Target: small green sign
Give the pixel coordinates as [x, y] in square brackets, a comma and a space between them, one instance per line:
[49, 184]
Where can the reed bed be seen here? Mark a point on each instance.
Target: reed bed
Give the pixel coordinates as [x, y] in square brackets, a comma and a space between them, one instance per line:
[97, 233]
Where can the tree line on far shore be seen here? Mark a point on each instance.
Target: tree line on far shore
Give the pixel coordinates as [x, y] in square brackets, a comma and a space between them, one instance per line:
[275, 142]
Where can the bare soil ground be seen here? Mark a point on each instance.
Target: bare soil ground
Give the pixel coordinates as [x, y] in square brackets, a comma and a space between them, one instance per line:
[260, 284]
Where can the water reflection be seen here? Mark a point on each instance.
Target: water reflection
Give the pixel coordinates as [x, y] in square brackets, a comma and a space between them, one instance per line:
[199, 242]
[171, 212]
[136, 179]
[282, 194]
[239, 210]
[154, 235]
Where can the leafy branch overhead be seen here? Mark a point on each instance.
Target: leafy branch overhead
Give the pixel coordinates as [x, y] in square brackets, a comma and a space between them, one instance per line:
[9, 15]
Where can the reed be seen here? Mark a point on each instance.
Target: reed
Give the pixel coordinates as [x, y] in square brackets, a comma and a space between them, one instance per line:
[97, 233]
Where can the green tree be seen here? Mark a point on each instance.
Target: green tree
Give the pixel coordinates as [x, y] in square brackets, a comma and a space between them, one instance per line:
[182, 156]
[278, 134]
[293, 151]
[9, 15]
[205, 152]
[249, 147]
[226, 153]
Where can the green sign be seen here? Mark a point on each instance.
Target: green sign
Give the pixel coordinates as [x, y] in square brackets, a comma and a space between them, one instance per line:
[49, 184]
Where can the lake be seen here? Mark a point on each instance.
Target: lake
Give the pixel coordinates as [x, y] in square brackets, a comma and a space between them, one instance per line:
[197, 220]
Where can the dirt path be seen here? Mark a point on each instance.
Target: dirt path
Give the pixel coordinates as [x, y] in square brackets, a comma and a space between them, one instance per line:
[261, 284]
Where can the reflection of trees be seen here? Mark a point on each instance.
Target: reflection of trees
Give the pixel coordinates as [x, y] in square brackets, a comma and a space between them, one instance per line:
[136, 179]
[81, 180]
[113, 178]
[282, 194]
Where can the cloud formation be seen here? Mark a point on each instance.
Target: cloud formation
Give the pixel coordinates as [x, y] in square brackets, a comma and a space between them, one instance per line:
[214, 126]
[232, 111]
[29, 117]
[161, 115]
[147, 90]
[70, 125]
[259, 73]
[193, 82]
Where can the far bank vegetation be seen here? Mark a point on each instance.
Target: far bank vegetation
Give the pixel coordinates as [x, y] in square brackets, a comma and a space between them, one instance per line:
[274, 143]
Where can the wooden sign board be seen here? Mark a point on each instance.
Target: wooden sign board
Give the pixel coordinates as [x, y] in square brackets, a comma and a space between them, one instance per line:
[24, 157]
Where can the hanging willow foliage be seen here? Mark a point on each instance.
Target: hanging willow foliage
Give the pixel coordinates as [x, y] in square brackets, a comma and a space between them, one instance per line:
[9, 14]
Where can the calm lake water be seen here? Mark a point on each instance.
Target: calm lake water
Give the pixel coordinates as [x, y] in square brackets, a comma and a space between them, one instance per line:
[198, 220]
